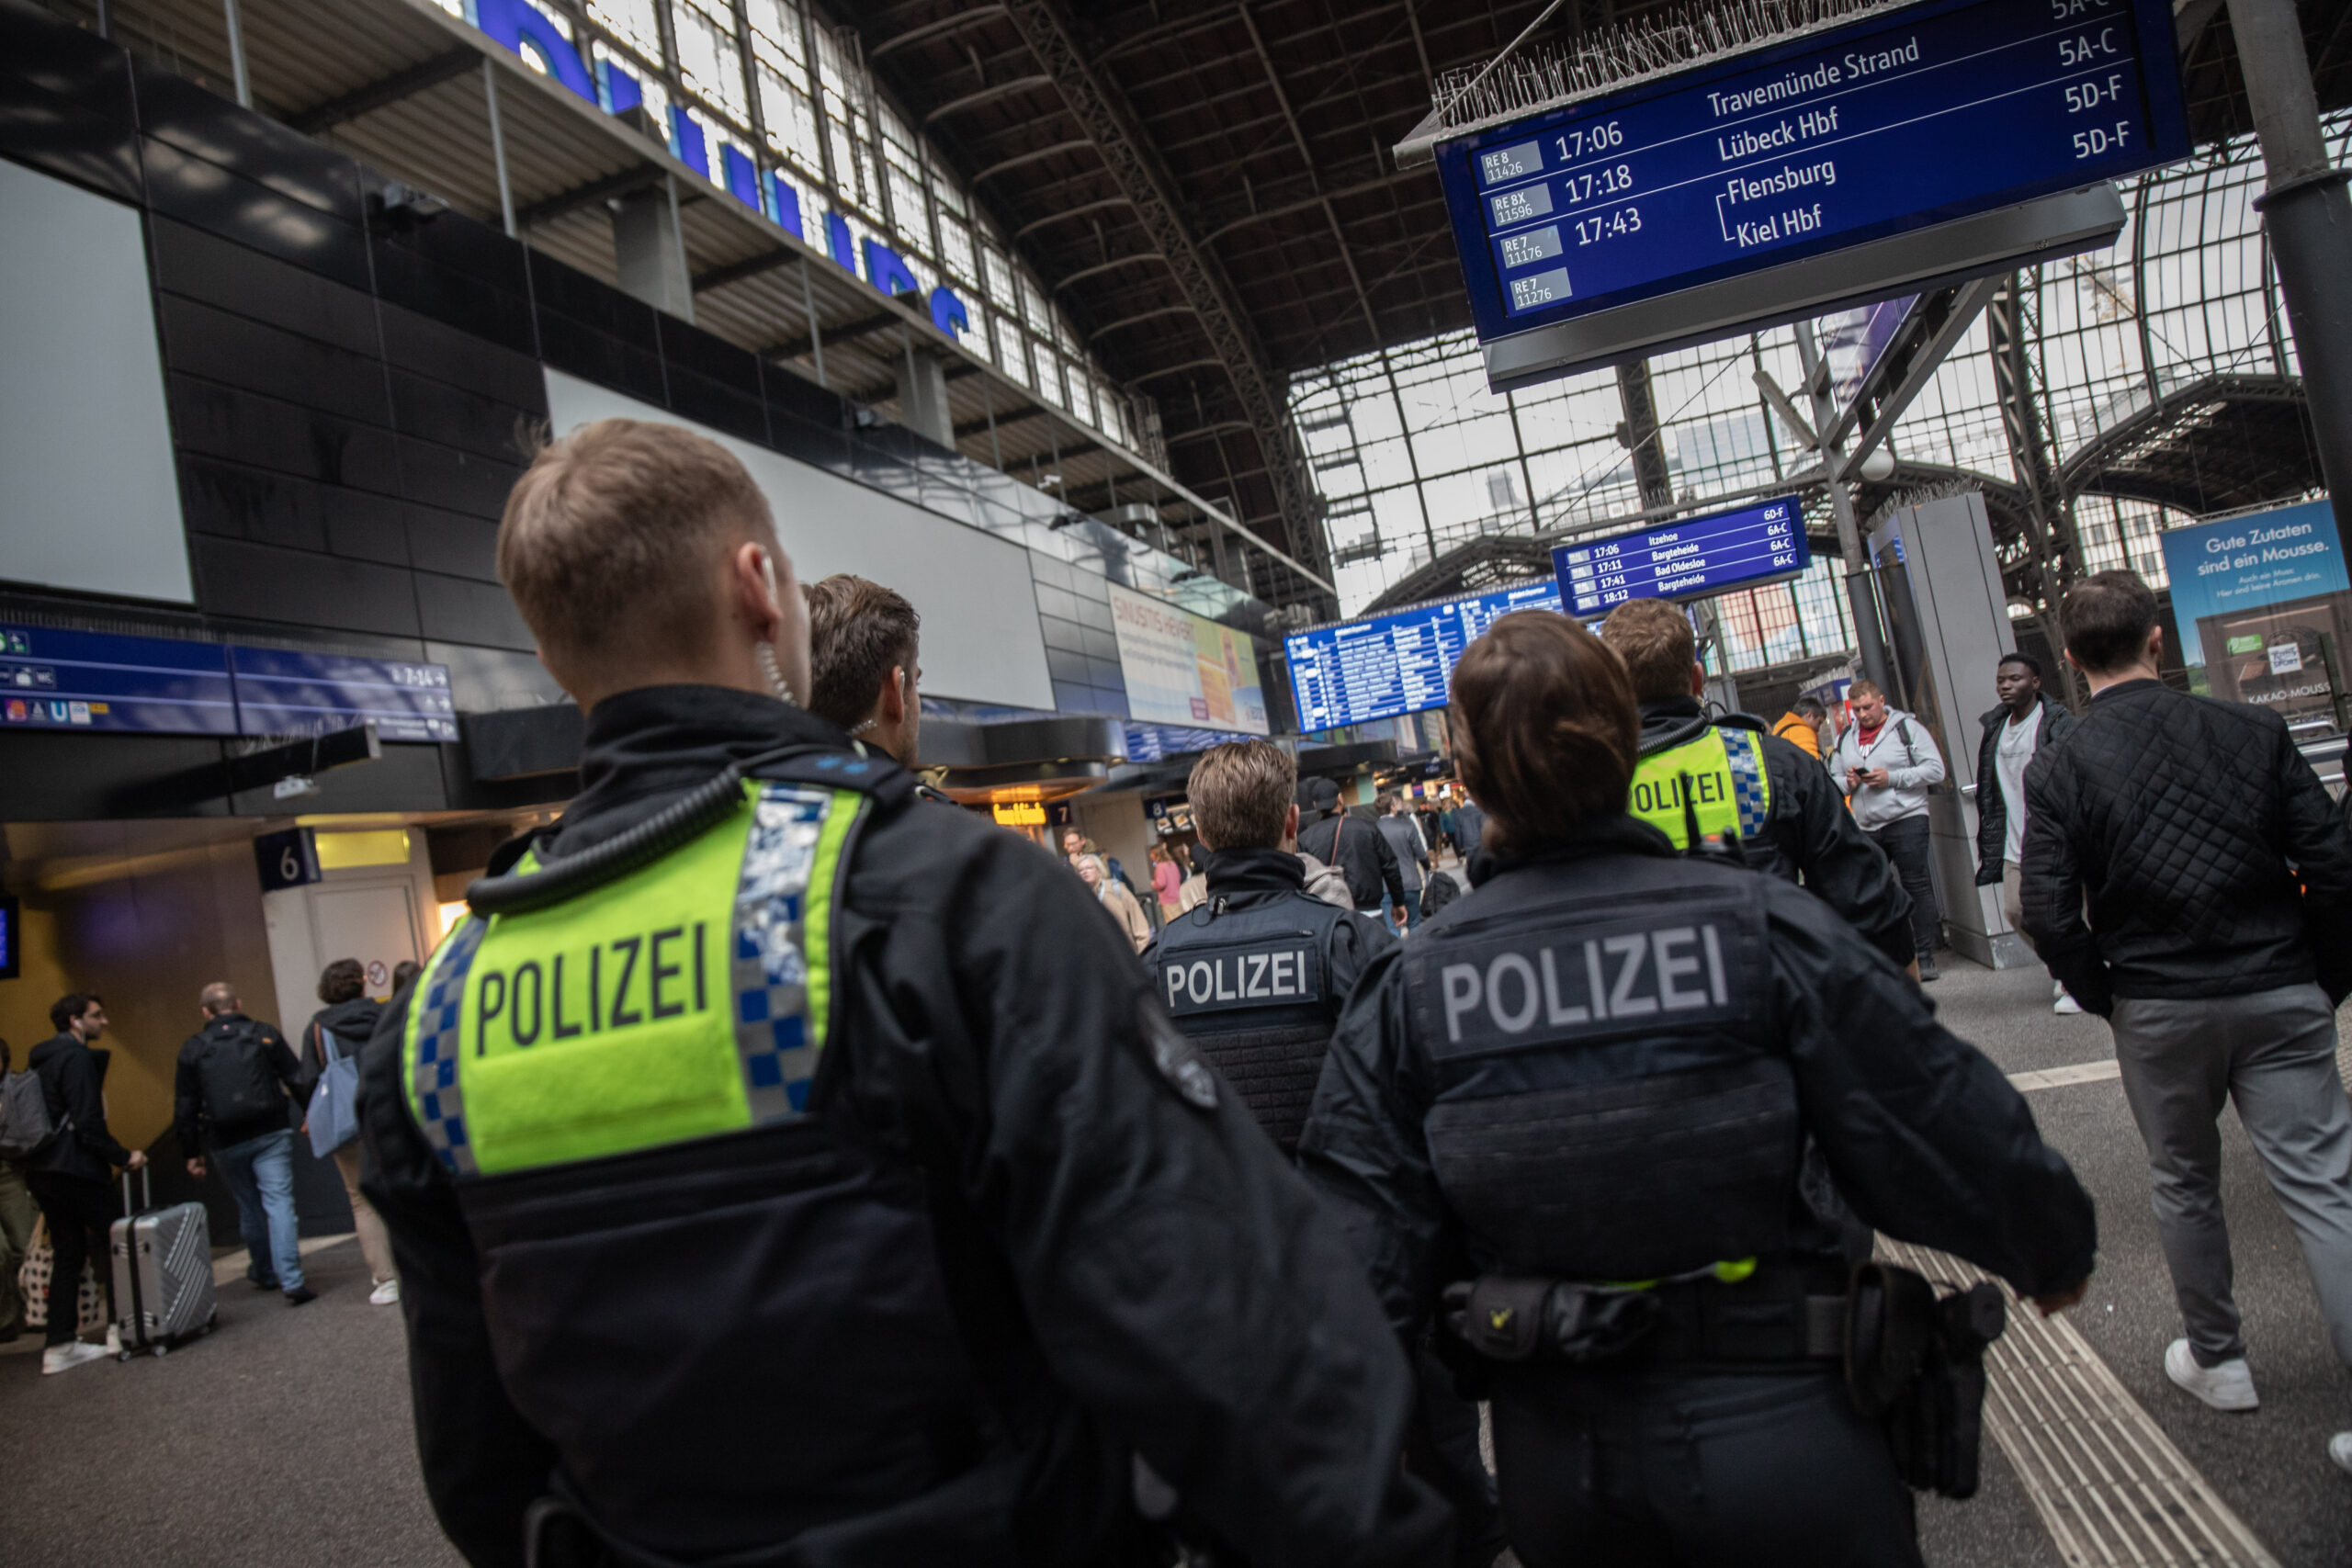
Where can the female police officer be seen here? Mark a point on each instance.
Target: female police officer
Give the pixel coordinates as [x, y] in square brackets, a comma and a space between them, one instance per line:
[1601, 1068]
[784, 1172]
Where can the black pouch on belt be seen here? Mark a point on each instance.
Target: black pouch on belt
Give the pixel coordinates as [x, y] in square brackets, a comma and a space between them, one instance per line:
[1517, 1320]
[1914, 1363]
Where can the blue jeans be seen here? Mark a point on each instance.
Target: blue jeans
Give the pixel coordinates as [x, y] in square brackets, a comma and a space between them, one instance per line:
[260, 1172]
[1412, 913]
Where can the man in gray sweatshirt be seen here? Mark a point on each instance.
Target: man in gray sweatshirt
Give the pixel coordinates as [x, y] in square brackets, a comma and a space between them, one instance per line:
[1886, 763]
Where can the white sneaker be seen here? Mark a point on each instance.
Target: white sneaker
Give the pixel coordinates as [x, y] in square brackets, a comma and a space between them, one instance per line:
[386, 1294]
[114, 1339]
[2339, 1449]
[2229, 1386]
[2066, 1004]
[64, 1358]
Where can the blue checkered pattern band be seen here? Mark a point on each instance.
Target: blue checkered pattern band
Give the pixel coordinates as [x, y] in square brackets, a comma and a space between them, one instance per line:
[439, 1102]
[770, 968]
[1749, 791]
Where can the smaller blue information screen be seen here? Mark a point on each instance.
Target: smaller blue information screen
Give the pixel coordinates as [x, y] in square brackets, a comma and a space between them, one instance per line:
[1360, 671]
[1689, 560]
[282, 692]
[68, 680]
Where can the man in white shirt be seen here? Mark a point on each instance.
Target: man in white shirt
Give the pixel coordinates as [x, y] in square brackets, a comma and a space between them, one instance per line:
[2014, 732]
[1886, 763]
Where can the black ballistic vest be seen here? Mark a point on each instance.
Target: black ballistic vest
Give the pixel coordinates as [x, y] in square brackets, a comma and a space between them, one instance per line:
[1610, 1105]
[1248, 978]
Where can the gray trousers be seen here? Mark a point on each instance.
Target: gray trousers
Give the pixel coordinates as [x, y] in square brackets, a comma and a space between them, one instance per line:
[2274, 1054]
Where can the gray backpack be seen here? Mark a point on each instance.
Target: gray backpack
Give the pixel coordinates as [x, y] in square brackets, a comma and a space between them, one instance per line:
[24, 1127]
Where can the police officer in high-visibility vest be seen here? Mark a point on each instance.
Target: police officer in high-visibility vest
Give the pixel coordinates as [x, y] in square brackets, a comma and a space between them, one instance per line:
[784, 1170]
[1566, 1120]
[1740, 782]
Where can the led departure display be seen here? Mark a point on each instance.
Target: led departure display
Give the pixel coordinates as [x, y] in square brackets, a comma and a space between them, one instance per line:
[1911, 116]
[1690, 560]
[1360, 671]
[282, 692]
[71, 680]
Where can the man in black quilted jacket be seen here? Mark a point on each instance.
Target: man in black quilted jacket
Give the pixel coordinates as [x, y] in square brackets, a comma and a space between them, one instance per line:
[2219, 877]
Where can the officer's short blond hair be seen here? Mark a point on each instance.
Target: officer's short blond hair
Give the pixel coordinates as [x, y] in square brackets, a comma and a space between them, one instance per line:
[1652, 639]
[613, 539]
[1241, 794]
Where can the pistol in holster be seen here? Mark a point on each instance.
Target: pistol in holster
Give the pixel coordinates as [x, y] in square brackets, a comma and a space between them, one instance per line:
[1914, 1363]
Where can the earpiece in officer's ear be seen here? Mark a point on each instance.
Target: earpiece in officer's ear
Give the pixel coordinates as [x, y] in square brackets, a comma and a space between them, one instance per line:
[766, 652]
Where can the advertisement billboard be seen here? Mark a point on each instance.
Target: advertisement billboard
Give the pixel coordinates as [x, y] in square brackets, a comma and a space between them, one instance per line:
[2264, 609]
[1183, 669]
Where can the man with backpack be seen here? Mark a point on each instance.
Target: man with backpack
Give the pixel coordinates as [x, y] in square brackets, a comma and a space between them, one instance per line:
[233, 1080]
[1887, 764]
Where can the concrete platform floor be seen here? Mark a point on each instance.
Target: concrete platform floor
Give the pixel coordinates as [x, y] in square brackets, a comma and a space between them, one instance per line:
[285, 1436]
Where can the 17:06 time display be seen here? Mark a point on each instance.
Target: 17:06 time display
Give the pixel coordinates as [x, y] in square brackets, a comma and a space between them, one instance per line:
[1609, 225]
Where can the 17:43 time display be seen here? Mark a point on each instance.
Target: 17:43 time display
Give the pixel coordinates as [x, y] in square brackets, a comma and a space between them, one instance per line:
[1609, 225]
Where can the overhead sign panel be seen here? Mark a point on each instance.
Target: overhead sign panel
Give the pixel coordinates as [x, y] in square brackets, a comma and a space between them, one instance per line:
[1361, 672]
[1689, 560]
[1910, 117]
[52, 679]
[284, 693]
[70, 680]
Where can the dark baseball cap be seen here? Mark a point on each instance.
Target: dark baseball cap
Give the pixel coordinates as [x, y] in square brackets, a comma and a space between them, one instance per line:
[1323, 795]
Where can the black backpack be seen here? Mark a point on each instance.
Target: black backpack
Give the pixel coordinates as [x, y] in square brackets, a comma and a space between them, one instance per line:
[239, 1078]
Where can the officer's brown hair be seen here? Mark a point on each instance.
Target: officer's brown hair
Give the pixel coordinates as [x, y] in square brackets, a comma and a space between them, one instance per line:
[1544, 728]
[1654, 641]
[2106, 618]
[1241, 794]
[858, 631]
[613, 538]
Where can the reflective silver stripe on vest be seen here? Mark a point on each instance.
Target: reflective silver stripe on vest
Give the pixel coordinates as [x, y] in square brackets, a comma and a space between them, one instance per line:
[770, 970]
[440, 1103]
[1747, 758]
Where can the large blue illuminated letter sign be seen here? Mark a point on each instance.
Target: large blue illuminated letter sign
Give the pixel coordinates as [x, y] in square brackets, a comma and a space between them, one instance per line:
[514, 23]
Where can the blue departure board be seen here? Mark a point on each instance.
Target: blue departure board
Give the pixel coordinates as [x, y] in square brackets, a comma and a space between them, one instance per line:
[1909, 116]
[1689, 560]
[1357, 671]
[283, 693]
[70, 680]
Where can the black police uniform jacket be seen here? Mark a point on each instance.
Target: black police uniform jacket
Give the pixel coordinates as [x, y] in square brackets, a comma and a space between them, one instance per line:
[1809, 834]
[930, 1320]
[1603, 1067]
[1256, 974]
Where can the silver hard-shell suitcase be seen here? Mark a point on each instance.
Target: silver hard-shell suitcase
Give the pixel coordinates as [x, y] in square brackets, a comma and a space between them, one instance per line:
[162, 1273]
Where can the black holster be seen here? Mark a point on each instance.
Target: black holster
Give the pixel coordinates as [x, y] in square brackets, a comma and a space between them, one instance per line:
[1914, 1363]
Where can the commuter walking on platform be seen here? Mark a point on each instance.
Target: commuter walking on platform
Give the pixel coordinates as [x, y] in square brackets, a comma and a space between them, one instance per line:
[864, 643]
[1120, 903]
[782, 1169]
[1257, 977]
[1357, 850]
[1734, 783]
[1886, 764]
[72, 1181]
[2218, 947]
[2025, 722]
[1167, 880]
[231, 1090]
[1603, 1068]
[16, 1212]
[341, 1029]
[1404, 838]
[1469, 828]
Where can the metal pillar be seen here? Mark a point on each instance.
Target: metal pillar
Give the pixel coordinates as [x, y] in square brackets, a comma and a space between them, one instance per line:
[2049, 520]
[1638, 435]
[498, 143]
[237, 53]
[1861, 598]
[650, 262]
[817, 337]
[2308, 218]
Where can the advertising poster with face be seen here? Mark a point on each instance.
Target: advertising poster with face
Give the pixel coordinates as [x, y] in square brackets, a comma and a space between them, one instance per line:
[1185, 669]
